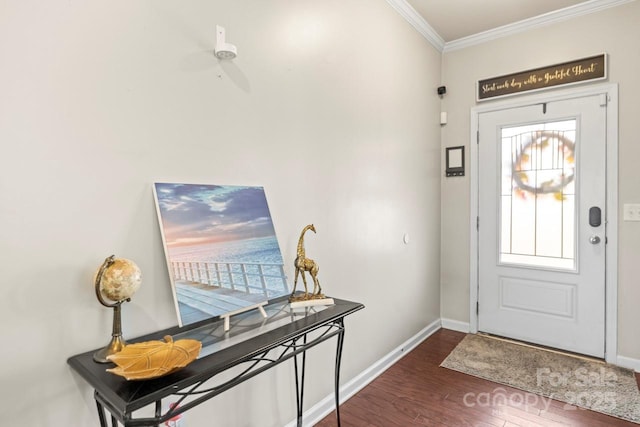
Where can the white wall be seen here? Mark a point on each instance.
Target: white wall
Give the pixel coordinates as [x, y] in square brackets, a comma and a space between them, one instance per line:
[614, 31]
[330, 106]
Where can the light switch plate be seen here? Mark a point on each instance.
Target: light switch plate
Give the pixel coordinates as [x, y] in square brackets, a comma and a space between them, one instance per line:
[631, 212]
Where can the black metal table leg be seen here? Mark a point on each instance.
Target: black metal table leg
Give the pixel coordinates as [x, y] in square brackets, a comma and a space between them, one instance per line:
[337, 373]
[103, 420]
[158, 409]
[300, 380]
[101, 412]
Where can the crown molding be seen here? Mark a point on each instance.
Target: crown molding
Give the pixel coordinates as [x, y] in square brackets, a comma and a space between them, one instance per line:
[423, 27]
[418, 22]
[559, 15]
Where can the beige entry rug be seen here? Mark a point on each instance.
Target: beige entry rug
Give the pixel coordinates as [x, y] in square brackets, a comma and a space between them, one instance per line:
[579, 381]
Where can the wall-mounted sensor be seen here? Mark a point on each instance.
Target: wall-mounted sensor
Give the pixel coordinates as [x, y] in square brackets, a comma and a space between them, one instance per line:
[224, 50]
[442, 90]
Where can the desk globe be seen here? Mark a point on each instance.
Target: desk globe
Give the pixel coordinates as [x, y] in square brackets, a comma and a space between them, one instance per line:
[116, 280]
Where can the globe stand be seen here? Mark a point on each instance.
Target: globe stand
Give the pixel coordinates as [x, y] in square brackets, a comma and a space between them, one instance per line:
[117, 343]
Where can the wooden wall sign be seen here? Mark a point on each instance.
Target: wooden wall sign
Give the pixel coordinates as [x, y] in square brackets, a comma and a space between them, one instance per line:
[567, 73]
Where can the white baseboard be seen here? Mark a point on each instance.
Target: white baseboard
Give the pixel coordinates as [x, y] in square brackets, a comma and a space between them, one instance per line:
[456, 325]
[320, 410]
[628, 362]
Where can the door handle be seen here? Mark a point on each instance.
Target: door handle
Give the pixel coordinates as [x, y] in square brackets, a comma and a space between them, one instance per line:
[594, 240]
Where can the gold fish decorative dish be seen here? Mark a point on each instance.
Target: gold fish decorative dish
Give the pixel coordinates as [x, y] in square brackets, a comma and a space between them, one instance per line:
[153, 359]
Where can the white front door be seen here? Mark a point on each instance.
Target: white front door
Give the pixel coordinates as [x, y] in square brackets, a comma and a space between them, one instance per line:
[541, 234]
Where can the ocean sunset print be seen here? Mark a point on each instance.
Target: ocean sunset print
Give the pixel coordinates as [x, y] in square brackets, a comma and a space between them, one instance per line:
[221, 248]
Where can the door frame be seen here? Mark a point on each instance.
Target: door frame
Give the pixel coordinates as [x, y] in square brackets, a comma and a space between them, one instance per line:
[611, 221]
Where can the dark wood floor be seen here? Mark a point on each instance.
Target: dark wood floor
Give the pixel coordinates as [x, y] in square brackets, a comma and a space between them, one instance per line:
[417, 392]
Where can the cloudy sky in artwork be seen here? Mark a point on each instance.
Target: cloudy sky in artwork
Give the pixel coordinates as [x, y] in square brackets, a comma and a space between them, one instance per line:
[194, 214]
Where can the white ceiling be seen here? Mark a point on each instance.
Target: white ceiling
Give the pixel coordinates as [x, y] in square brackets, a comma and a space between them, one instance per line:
[455, 19]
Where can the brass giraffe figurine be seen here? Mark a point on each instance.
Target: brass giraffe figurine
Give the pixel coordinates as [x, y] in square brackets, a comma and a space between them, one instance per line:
[303, 264]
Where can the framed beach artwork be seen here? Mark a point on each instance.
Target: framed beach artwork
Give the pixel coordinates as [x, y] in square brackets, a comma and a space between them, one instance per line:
[221, 248]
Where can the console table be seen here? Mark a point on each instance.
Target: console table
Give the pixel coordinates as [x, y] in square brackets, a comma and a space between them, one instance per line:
[253, 345]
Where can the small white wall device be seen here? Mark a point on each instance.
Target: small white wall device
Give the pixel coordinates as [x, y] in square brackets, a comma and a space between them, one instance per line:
[223, 49]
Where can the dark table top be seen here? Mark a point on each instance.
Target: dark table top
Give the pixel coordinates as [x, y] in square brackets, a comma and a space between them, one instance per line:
[250, 335]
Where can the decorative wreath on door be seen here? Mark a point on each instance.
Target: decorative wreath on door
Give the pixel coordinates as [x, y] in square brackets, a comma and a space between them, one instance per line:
[523, 164]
